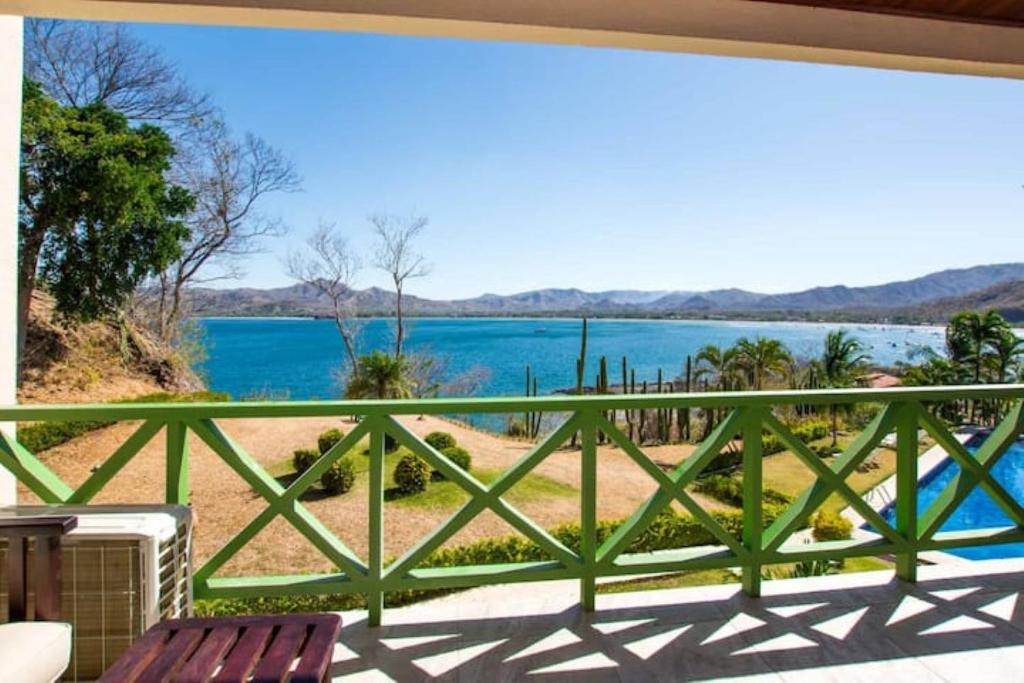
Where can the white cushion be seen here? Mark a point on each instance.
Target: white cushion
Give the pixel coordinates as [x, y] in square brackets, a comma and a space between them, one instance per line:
[34, 651]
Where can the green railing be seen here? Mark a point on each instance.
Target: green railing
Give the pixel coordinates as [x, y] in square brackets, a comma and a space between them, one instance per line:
[746, 415]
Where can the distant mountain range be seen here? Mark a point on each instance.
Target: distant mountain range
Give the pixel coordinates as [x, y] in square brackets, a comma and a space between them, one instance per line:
[1006, 297]
[933, 296]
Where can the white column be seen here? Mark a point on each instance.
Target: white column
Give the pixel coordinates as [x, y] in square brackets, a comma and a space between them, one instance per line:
[10, 136]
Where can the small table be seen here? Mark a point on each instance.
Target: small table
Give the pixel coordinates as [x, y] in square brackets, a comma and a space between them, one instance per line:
[47, 532]
[261, 647]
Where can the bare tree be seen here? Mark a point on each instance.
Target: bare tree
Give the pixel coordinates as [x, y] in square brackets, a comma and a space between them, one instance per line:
[329, 266]
[395, 256]
[430, 375]
[79, 63]
[228, 179]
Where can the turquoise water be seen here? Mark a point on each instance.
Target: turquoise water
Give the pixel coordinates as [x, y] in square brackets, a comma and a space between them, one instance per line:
[299, 358]
[978, 510]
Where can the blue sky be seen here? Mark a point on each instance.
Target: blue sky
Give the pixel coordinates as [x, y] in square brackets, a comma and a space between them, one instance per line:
[548, 166]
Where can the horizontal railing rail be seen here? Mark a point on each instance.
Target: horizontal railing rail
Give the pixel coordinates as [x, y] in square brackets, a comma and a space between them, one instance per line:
[747, 416]
[512, 404]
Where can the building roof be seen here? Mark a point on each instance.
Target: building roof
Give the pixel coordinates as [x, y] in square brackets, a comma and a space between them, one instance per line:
[996, 12]
[955, 36]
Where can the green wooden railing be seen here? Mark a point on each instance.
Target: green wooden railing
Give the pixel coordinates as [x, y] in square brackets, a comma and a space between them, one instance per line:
[748, 415]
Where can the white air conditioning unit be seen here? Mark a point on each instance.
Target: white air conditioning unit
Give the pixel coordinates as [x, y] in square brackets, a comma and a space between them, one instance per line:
[124, 568]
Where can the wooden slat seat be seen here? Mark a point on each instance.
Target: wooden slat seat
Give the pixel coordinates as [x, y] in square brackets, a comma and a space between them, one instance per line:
[261, 649]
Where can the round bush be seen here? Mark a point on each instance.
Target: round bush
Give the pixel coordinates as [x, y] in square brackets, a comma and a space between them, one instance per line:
[412, 474]
[516, 428]
[328, 438]
[829, 526]
[458, 455]
[303, 459]
[440, 440]
[339, 477]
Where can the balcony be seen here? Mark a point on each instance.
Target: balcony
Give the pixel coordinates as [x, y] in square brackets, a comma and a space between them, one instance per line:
[575, 560]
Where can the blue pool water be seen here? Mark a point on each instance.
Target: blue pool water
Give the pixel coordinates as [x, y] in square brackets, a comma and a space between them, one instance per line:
[978, 510]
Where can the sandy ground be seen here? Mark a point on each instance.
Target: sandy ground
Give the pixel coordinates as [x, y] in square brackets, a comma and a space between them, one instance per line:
[223, 503]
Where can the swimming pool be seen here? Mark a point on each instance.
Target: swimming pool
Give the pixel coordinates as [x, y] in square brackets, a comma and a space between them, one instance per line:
[978, 510]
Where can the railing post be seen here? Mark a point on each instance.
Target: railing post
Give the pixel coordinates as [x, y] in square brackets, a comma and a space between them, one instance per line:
[906, 489]
[588, 511]
[177, 487]
[375, 596]
[753, 522]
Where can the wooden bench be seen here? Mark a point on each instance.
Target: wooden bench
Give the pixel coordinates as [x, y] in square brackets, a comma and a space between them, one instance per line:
[260, 648]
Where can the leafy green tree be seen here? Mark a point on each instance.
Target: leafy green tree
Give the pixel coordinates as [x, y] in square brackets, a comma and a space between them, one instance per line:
[841, 360]
[96, 214]
[1007, 357]
[715, 364]
[970, 336]
[762, 359]
[380, 376]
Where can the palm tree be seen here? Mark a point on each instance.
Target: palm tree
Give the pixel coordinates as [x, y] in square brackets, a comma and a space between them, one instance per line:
[762, 359]
[840, 361]
[970, 335]
[1005, 360]
[716, 364]
[380, 376]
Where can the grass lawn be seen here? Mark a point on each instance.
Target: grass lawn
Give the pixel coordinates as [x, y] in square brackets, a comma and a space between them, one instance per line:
[787, 474]
[712, 577]
[440, 494]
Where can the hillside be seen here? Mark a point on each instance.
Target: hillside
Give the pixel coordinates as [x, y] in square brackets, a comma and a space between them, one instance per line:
[1007, 298]
[94, 362]
[873, 301]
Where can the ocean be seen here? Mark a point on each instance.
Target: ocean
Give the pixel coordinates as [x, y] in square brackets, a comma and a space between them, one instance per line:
[293, 358]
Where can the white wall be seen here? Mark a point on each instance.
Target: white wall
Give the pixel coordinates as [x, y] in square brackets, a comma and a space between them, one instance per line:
[10, 135]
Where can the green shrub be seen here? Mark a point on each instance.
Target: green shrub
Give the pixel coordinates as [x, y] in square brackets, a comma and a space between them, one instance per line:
[667, 531]
[440, 440]
[729, 490]
[303, 459]
[458, 455]
[811, 430]
[831, 526]
[826, 451]
[771, 444]
[43, 435]
[328, 438]
[411, 474]
[339, 477]
[516, 428]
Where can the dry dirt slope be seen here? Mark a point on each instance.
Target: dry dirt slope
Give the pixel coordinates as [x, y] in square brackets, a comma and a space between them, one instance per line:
[94, 362]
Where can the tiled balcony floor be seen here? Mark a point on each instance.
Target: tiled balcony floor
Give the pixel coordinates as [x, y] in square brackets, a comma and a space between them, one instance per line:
[961, 622]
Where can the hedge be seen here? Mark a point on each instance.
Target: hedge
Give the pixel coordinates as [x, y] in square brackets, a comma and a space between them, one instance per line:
[729, 490]
[667, 531]
[40, 436]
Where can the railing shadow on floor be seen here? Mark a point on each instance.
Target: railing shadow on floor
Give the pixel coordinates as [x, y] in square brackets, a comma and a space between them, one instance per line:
[885, 628]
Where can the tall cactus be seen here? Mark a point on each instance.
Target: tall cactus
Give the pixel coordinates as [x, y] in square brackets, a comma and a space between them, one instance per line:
[631, 415]
[581, 367]
[643, 417]
[602, 387]
[625, 390]
[684, 415]
[527, 417]
[535, 427]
